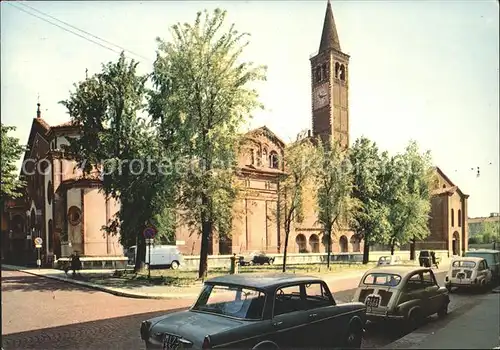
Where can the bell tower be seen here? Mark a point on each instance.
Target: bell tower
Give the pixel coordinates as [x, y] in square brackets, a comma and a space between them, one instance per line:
[329, 81]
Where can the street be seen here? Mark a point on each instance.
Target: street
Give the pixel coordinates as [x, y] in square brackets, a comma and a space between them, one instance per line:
[43, 313]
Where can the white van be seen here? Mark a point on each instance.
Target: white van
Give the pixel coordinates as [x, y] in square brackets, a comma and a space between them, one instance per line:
[161, 256]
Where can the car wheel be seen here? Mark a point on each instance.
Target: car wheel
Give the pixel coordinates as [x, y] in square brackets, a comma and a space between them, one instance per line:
[354, 337]
[414, 321]
[174, 265]
[443, 311]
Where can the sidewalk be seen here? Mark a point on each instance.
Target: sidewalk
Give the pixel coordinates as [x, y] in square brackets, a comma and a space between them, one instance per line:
[143, 292]
[337, 281]
[477, 328]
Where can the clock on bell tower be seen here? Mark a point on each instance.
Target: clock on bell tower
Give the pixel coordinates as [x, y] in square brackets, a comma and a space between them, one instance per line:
[329, 72]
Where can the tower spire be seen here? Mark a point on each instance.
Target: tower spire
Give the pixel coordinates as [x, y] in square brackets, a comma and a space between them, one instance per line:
[329, 36]
[38, 111]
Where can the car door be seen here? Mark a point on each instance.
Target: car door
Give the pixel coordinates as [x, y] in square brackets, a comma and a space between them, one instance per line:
[324, 316]
[435, 299]
[414, 291]
[289, 318]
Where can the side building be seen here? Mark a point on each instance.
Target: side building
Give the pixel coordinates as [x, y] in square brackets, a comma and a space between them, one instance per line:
[60, 205]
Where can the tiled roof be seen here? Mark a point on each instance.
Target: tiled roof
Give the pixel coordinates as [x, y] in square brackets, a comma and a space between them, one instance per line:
[43, 123]
[65, 125]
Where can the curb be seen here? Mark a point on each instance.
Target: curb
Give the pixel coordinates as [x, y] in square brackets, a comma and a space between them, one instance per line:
[106, 289]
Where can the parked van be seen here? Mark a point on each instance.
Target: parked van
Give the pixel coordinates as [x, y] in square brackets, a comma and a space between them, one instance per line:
[161, 256]
[491, 256]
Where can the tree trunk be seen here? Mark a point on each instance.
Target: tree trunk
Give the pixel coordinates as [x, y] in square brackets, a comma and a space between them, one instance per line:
[412, 249]
[366, 252]
[206, 229]
[285, 248]
[140, 255]
[328, 249]
[393, 243]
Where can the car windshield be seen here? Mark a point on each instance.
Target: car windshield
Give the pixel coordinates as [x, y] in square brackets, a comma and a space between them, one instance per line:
[382, 279]
[487, 256]
[463, 263]
[232, 301]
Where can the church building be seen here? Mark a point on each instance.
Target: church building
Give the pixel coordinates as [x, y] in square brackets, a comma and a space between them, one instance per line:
[68, 211]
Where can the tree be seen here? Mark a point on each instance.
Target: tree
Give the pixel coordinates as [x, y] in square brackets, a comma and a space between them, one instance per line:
[491, 231]
[406, 186]
[421, 177]
[369, 219]
[206, 89]
[394, 194]
[334, 186]
[11, 153]
[299, 158]
[116, 143]
[477, 239]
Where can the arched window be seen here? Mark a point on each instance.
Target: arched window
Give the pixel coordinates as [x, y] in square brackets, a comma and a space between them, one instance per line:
[274, 160]
[264, 156]
[314, 243]
[452, 217]
[459, 218]
[50, 192]
[342, 72]
[343, 244]
[301, 243]
[337, 68]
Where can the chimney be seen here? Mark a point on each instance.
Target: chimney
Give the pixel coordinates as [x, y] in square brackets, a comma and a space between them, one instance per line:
[38, 112]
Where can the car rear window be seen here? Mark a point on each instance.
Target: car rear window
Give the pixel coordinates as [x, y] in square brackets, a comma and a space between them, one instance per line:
[463, 263]
[382, 279]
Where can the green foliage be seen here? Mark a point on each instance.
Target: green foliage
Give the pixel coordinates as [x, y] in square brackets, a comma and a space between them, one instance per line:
[300, 166]
[11, 152]
[491, 231]
[114, 141]
[334, 187]
[476, 239]
[370, 219]
[203, 89]
[406, 181]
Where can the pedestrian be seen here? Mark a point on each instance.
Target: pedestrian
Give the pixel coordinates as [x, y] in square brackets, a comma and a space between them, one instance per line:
[76, 264]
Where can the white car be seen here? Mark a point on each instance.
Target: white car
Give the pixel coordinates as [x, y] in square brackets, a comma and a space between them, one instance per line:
[468, 272]
[389, 260]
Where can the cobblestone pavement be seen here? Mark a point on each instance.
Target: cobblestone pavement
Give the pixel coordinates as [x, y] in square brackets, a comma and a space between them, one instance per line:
[47, 314]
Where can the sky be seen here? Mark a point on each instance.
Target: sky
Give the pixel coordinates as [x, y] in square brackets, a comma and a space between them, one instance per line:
[426, 71]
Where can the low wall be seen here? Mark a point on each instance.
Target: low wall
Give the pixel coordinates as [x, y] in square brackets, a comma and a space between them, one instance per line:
[191, 262]
[89, 263]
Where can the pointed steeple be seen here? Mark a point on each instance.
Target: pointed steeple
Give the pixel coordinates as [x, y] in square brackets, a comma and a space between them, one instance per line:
[329, 36]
